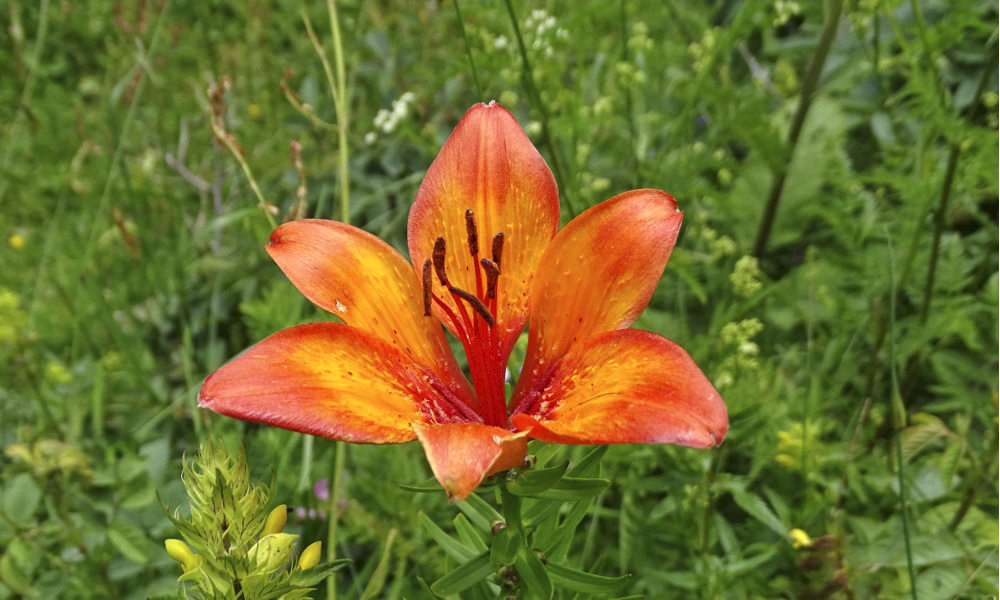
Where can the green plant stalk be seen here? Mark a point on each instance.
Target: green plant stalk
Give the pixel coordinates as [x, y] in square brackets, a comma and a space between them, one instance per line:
[221, 135]
[945, 198]
[331, 529]
[806, 96]
[29, 87]
[468, 51]
[343, 113]
[536, 99]
[898, 411]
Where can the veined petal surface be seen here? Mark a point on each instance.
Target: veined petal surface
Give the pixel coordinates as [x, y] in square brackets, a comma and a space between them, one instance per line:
[625, 386]
[329, 380]
[365, 282]
[462, 454]
[488, 165]
[599, 273]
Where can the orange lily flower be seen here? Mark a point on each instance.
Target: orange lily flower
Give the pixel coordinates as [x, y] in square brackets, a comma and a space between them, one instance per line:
[486, 260]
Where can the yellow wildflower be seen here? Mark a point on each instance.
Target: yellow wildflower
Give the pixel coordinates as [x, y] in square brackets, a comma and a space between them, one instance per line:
[800, 539]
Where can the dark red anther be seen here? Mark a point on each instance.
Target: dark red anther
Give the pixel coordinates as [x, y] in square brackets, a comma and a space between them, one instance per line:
[427, 287]
[438, 257]
[475, 303]
[492, 274]
[497, 249]
[470, 230]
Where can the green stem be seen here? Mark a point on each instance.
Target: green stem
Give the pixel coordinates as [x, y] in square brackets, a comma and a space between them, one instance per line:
[806, 96]
[468, 51]
[898, 411]
[536, 99]
[26, 91]
[945, 198]
[332, 522]
[343, 114]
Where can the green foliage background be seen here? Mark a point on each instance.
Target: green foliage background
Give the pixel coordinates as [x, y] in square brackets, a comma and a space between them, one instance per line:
[858, 356]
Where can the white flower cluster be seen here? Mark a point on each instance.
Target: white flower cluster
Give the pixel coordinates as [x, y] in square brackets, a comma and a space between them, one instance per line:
[540, 27]
[386, 120]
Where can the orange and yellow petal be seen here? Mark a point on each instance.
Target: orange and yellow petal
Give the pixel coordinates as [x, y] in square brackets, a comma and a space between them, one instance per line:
[329, 380]
[626, 386]
[488, 165]
[599, 272]
[366, 283]
[462, 454]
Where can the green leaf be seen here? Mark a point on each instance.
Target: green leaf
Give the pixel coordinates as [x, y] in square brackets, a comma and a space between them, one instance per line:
[505, 545]
[14, 579]
[534, 578]
[570, 488]
[479, 511]
[20, 498]
[949, 461]
[453, 547]
[315, 575]
[469, 535]
[590, 464]
[131, 541]
[758, 509]
[465, 576]
[581, 581]
[426, 487]
[536, 481]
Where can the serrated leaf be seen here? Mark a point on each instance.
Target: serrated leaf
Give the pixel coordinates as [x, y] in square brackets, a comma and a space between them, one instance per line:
[465, 576]
[949, 461]
[581, 581]
[131, 541]
[758, 509]
[14, 579]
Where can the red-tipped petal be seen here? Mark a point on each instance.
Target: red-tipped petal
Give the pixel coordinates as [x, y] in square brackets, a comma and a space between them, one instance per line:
[599, 272]
[365, 282]
[462, 454]
[329, 380]
[488, 165]
[626, 386]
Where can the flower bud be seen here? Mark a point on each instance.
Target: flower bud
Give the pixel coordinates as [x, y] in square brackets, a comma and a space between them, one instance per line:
[311, 555]
[180, 552]
[271, 552]
[276, 520]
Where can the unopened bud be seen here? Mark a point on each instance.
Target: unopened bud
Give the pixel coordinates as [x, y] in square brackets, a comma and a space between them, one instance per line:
[311, 555]
[180, 552]
[496, 526]
[276, 520]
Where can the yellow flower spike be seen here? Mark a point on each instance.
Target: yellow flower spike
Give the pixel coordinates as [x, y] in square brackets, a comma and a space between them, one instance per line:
[311, 555]
[180, 552]
[16, 241]
[800, 539]
[276, 520]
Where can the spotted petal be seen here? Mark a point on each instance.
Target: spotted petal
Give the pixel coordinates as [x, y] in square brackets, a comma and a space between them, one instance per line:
[462, 454]
[626, 386]
[599, 273]
[329, 380]
[365, 282]
[488, 165]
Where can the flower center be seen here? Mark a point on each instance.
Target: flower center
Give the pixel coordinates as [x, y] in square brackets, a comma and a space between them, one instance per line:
[473, 319]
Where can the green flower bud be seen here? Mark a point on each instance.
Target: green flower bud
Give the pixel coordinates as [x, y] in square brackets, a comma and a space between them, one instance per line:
[272, 551]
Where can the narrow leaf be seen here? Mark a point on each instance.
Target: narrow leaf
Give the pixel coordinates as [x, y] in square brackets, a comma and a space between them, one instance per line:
[465, 576]
[581, 581]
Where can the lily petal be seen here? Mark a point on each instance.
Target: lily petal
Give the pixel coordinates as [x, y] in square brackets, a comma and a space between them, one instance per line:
[599, 272]
[329, 380]
[488, 165]
[462, 454]
[366, 283]
[626, 386]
